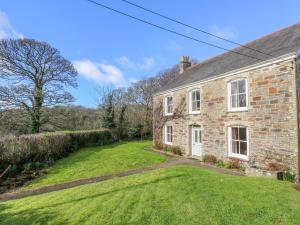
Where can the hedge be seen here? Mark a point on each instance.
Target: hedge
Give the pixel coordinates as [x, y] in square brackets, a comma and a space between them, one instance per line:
[45, 147]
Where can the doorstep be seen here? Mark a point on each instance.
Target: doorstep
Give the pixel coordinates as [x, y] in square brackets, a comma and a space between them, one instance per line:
[194, 157]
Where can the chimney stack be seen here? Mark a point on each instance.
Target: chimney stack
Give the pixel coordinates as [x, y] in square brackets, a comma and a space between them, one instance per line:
[184, 63]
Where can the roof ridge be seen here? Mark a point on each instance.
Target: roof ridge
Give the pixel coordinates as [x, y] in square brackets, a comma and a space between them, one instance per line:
[278, 43]
[246, 44]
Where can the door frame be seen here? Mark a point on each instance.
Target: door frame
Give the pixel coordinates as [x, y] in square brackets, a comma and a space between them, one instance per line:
[191, 140]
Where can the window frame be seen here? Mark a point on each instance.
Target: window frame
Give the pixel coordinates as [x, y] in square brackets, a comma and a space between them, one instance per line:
[166, 105]
[191, 111]
[229, 139]
[229, 106]
[166, 135]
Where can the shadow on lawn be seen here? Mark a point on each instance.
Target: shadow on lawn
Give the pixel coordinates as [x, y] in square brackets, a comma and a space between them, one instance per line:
[113, 191]
[43, 215]
[25, 217]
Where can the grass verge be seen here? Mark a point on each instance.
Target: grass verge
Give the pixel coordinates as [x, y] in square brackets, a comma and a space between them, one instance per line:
[177, 195]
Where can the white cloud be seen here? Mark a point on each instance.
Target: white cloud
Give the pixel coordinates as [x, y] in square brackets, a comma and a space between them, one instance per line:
[224, 32]
[145, 64]
[124, 61]
[6, 28]
[102, 73]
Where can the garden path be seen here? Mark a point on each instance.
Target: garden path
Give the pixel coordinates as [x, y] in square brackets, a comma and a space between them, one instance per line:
[170, 161]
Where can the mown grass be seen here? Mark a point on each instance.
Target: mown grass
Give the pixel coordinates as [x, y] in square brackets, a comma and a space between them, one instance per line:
[98, 161]
[177, 195]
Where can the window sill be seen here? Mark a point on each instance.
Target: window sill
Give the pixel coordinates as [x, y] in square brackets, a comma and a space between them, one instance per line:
[168, 143]
[238, 110]
[168, 114]
[194, 112]
[238, 156]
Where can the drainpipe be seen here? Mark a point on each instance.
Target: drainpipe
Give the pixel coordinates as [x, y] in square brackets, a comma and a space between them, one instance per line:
[297, 77]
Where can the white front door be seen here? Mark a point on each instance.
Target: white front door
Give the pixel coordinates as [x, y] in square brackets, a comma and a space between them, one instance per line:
[196, 141]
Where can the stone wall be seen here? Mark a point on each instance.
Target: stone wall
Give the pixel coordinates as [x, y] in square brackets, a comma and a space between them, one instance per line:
[271, 117]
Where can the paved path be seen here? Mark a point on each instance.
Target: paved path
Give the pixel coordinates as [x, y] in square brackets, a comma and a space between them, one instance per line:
[171, 161]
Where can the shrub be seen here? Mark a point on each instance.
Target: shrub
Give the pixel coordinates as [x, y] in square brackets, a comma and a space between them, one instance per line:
[288, 175]
[168, 148]
[173, 149]
[135, 132]
[233, 164]
[221, 164]
[275, 166]
[176, 150]
[242, 168]
[81, 139]
[210, 159]
[158, 145]
[33, 166]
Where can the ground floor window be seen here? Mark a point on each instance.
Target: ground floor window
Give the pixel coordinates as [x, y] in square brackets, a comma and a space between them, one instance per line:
[238, 142]
[168, 134]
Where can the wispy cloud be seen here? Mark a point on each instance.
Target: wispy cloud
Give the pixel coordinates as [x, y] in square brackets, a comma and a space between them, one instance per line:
[102, 73]
[6, 28]
[145, 64]
[148, 63]
[224, 32]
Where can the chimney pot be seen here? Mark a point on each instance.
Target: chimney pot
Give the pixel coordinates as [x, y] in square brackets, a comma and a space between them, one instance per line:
[184, 63]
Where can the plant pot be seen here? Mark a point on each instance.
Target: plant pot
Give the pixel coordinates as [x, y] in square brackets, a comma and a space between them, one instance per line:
[280, 175]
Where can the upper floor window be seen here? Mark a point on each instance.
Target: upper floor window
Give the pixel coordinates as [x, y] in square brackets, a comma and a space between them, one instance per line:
[238, 142]
[194, 104]
[237, 95]
[168, 135]
[169, 105]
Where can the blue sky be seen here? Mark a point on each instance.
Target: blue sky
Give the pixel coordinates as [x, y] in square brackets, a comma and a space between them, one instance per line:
[112, 50]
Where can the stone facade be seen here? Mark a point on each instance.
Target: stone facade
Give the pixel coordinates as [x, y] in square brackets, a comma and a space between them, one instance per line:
[271, 116]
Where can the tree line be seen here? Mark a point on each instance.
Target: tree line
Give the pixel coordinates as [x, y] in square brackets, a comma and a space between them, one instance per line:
[34, 79]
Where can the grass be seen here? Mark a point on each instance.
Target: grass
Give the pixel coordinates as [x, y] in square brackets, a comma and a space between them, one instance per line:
[178, 195]
[98, 161]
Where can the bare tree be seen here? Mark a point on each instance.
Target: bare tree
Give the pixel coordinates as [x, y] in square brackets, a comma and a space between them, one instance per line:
[141, 96]
[167, 75]
[133, 107]
[34, 75]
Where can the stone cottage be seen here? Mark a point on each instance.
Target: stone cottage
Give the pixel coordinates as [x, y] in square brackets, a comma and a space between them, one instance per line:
[236, 106]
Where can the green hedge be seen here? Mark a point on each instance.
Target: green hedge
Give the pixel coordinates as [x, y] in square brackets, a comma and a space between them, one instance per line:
[46, 147]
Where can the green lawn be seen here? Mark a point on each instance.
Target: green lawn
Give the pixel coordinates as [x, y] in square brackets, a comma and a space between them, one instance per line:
[178, 195]
[98, 161]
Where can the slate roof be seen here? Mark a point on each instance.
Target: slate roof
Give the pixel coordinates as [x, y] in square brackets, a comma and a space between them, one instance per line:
[279, 43]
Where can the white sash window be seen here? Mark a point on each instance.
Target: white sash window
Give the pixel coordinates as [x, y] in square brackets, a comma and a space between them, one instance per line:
[237, 95]
[169, 105]
[238, 143]
[194, 101]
